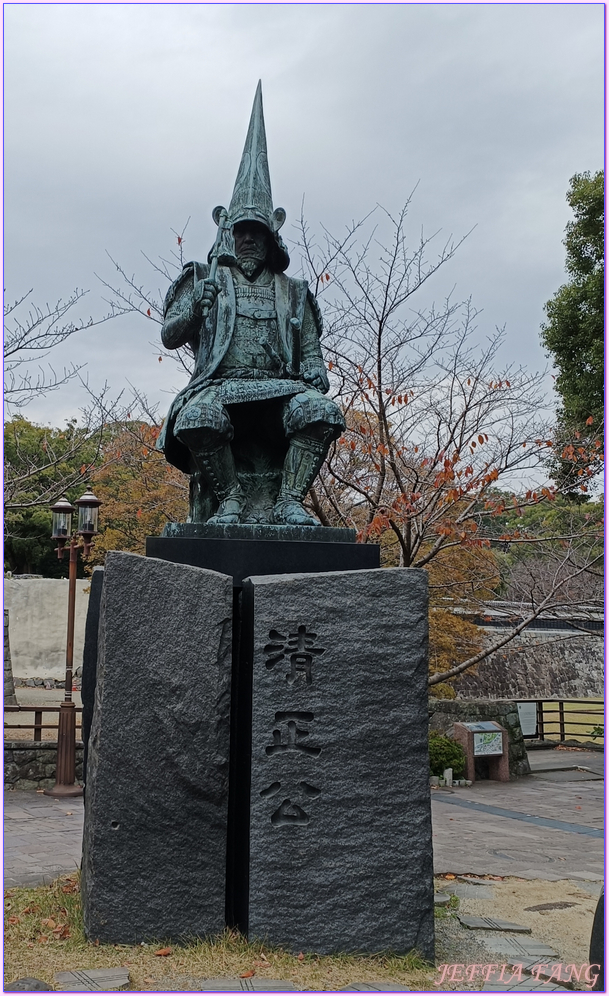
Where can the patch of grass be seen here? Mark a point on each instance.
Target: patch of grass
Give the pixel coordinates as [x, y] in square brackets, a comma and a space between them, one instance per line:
[579, 717]
[44, 935]
[445, 912]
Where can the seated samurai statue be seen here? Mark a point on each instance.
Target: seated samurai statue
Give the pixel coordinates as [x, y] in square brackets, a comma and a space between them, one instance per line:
[253, 426]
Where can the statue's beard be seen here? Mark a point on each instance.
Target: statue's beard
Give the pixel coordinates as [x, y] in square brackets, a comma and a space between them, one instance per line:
[250, 264]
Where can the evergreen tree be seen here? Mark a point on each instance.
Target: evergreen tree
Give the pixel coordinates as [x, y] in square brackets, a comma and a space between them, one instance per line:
[573, 333]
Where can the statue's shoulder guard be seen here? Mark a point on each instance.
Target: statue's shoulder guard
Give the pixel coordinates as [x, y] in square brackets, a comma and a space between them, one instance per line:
[182, 284]
[319, 325]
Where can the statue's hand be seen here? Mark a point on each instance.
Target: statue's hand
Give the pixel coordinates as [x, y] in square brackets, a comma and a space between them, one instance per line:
[204, 296]
[317, 378]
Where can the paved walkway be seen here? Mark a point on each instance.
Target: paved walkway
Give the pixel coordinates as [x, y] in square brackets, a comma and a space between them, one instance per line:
[42, 837]
[547, 826]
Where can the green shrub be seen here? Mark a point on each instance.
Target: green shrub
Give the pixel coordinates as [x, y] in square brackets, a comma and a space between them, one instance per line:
[445, 753]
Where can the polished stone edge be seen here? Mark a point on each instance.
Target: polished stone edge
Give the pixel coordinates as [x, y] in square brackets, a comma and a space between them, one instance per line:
[259, 531]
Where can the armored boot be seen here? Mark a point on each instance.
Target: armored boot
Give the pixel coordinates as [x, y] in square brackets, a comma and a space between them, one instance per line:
[301, 466]
[218, 467]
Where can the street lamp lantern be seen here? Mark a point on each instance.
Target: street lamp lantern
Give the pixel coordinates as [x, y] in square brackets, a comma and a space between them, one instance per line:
[62, 520]
[88, 510]
[88, 513]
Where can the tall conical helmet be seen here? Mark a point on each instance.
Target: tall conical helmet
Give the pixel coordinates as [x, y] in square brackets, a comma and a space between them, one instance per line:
[252, 199]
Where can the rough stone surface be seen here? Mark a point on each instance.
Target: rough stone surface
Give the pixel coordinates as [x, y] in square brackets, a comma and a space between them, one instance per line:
[89, 655]
[31, 764]
[539, 664]
[443, 713]
[28, 985]
[154, 845]
[340, 831]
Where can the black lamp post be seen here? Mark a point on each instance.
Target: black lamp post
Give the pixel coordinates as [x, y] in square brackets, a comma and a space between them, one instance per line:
[88, 511]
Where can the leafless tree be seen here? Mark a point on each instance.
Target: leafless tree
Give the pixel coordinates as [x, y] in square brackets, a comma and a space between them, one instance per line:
[440, 443]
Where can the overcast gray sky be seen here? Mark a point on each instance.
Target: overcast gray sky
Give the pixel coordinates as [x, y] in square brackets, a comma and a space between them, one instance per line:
[123, 120]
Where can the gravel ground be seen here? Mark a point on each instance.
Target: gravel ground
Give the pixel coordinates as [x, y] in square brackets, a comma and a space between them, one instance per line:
[457, 946]
[566, 930]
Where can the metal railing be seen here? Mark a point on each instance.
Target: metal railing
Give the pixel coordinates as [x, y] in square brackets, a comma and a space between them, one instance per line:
[37, 726]
[566, 719]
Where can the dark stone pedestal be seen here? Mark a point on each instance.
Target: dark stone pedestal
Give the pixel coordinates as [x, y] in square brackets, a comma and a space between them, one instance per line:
[89, 657]
[154, 843]
[242, 551]
[240, 557]
[340, 855]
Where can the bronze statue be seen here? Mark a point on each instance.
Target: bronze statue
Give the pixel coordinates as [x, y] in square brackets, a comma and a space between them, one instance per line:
[252, 427]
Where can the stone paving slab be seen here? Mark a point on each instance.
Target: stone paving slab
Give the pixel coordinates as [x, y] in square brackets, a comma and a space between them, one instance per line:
[488, 923]
[464, 891]
[530, 985]
[521, 948]
[92, 980]
[442, 899]
[364, 987]
[245, 985]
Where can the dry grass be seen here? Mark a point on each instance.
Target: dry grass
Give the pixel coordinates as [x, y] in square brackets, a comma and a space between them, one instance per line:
[39, 948]
[580, 718]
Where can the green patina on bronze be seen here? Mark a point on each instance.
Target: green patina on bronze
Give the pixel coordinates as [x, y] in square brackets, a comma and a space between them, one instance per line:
[253, 426]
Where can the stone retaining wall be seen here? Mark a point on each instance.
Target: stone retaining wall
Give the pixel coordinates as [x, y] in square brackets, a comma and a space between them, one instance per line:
[538, 664]
[444, 712]
[31, 764]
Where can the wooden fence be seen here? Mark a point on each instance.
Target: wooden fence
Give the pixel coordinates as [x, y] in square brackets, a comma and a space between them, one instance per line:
[38, 725]
[563, 719]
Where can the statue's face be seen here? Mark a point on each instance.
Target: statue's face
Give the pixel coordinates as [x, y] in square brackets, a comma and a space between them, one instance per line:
[251, 240]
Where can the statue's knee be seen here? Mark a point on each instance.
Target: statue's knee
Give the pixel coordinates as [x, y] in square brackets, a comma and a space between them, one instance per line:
[201, 426]
[314, 415]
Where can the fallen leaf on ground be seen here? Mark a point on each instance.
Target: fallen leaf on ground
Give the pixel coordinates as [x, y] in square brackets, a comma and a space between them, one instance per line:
[247, 975]
[42, 939]
[163, 952]
[14, 919]
[258, 964]
[96, 942]
[301, 957]
[69, 813]
[449, 876]
[49, 922]
[62, 931]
